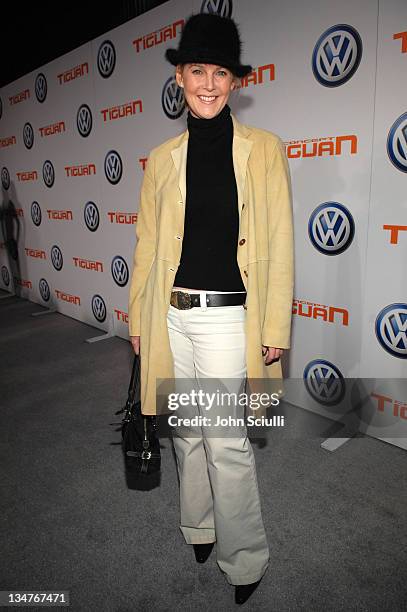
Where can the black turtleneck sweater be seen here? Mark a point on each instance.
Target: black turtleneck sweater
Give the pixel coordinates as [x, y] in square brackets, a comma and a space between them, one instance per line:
[209, 246]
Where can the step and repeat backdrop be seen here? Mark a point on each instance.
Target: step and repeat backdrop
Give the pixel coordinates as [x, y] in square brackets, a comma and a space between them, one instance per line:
[329, 79]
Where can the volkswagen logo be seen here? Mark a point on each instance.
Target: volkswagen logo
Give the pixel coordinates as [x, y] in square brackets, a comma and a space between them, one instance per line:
[113, 167]
[391, 329]
[44, 290]
[106, 59]
[331, 228]
[48, 173]
[41, 87]
[84, 120]
[36, 214]
[56, 257]
[220, 7]
[336, 55]
[28, 135]
[172, 99]
[99, 308]
[120, 271]
[5, 178]
[324, 382]
[91, 216]
[397, 143]
[5, 275]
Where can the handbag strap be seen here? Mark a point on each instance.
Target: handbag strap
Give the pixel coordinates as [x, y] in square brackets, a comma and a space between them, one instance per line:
[134, 386]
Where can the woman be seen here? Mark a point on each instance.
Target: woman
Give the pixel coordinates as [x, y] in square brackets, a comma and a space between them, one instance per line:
[211, 291]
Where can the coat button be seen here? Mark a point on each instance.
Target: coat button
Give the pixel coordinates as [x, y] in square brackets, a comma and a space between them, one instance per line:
[245, 271]
[242, 241]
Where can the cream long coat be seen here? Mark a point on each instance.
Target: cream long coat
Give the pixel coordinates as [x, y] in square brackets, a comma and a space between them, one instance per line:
[265, 254]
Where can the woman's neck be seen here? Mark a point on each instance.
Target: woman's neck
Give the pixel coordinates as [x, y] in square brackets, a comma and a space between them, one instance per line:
[208, 128]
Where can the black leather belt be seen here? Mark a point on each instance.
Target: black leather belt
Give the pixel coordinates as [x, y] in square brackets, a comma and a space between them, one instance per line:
[183, 300]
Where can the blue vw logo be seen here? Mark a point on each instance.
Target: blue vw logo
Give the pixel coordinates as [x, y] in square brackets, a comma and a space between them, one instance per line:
[99, 308]
[331, 228]
[28, 135]
[91, 216]
[220, 7]
[324, 382]
[56, 257]
[120, 271]
[391, 329]
[36, 215]
[106, 60]
[113, 167]
[172, 99]
[336, 55]
[48, 173]
[84, 120]
[41, 87]
[397, 143]
[5, 178]
[5, 275]
[44, 289]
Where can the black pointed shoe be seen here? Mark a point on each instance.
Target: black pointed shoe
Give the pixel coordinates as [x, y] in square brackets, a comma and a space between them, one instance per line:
[243, 591]
[202, 551]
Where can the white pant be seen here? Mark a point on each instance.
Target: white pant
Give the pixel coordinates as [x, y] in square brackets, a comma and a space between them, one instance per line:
[219, 496]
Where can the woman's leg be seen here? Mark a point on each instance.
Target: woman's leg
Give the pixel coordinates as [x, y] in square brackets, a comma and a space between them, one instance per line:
[196, 503]
[219, 346]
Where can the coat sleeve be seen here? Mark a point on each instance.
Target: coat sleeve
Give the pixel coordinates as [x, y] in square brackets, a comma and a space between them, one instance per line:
[145, 249]
[277, 321]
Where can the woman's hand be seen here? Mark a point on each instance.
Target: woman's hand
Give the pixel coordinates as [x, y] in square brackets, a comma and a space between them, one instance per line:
[270, 353]
[135, 342]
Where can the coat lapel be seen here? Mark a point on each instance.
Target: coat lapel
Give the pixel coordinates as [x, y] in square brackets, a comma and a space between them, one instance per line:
[241, 148]
[179, 156]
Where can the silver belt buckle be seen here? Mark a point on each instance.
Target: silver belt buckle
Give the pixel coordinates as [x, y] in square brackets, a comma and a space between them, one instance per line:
[182, 300]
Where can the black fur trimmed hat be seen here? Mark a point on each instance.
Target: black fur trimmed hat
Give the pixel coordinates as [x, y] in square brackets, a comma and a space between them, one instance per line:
[209, 38]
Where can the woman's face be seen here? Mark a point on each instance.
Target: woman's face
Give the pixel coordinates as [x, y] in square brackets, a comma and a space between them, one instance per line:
[206, 88]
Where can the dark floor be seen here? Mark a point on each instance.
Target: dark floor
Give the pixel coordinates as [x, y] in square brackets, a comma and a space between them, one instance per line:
[336, 522]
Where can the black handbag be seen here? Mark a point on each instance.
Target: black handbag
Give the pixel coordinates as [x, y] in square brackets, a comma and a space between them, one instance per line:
[140, 441]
